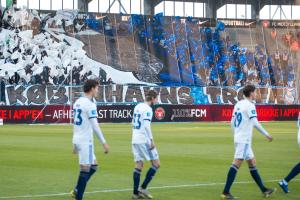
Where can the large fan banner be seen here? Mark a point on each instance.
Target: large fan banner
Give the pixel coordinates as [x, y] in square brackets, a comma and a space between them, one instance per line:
[122, 94]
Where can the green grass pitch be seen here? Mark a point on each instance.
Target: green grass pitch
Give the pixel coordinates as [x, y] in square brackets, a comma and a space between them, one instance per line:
[195, 157]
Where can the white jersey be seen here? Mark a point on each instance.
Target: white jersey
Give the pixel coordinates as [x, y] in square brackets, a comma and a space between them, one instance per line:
[142, 112]
[243, 112]
[84, 109]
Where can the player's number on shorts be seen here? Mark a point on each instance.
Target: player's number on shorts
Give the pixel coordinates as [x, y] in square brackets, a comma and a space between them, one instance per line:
[238, 119]
[77, 117]
[137, 121]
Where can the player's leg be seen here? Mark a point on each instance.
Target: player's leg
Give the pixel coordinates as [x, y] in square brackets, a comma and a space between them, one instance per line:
[136, 178]
[230, 178]
[239, 157]
[139, 164]
[151, 173]
[83, 178]
[94, 165]
[154, 158]
[256, 176]
[86, 160]
[293, 173]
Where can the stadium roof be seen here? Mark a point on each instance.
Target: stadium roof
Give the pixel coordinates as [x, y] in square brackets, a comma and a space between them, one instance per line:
[220, 3]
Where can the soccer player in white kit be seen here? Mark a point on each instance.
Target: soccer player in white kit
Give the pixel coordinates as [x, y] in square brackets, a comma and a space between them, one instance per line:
[244, 118]
[143, 146]
[294, 172]
[85, 124]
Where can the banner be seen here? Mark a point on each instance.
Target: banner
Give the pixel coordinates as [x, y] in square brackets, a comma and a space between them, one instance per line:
[130, 94]
[162, 113]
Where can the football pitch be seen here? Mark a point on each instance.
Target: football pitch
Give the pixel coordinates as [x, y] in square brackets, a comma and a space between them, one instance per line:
[36, 162]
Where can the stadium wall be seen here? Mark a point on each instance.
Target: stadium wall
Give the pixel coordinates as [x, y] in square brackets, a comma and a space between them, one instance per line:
[162, 113]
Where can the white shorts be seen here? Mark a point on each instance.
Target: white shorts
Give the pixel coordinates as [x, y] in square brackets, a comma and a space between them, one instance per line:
[243, 151]
[86, 153]
[142, 152]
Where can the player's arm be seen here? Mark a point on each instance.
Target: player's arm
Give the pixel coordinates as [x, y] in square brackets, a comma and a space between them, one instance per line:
[261, 129]
[147, 125]
[92, 113]
[253, 117]
[99, 134]
[232, 121]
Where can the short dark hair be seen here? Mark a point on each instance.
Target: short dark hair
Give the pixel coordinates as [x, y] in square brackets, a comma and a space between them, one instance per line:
[89, 85]
[150, 95]
[248, 89]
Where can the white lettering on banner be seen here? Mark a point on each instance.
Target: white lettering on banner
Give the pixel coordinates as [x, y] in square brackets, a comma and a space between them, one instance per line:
[186, 113]
[120, 113]
[102, 114]
[198, 112]
[62, 114]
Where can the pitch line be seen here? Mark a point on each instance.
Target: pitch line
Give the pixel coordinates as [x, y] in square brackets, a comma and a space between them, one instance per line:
[130, 189]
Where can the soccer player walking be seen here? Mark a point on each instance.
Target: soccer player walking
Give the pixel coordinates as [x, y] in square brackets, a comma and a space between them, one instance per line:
[294, 172]
[243, 120]
[85, 123]
[143, 146]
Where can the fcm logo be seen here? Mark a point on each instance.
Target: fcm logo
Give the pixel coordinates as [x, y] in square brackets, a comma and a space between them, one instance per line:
[160, 113]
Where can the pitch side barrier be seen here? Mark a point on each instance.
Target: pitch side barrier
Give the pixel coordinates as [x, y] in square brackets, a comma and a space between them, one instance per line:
[162, 113]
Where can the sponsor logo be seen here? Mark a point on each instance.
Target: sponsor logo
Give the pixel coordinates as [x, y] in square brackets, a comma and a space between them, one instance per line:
[160, 113]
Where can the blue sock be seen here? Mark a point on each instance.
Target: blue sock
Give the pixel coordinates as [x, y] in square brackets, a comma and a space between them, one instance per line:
[81, 184]
[93, 169]
[230, 178]
[136, 180]
[255, 175]
[295, 171]
[150, 174]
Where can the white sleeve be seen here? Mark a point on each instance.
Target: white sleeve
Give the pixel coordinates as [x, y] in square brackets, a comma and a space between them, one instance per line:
[92, 111]
[147, 117]
[97, 130]
[259, 127]
[147, 125]
[251, 111]
[232, 121]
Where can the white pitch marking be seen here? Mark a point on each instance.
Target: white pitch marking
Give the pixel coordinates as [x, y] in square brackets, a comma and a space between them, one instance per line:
[130, 189]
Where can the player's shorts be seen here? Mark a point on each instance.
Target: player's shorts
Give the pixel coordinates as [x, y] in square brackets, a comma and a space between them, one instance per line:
[142, 152]
[86, 153]
[243, 151]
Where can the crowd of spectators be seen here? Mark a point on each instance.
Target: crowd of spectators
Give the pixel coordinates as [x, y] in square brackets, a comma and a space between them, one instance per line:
[192, 54]
[290, 39]
[41, 58]
[203, 58]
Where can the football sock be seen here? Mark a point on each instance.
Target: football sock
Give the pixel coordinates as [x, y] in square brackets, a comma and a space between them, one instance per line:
[93, 169]
[150, 174]
[81, 184]
[230, 178]
[136, 180]
[255, 175]
[295, 171]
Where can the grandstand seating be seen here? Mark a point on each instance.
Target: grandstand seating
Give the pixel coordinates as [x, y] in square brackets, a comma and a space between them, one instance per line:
[157, 49]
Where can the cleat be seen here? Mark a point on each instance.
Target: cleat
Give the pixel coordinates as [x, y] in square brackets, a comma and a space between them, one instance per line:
[146, 194]
[269, 192]
[227, 196]
[284, 186]
[137, 196]
[73, 194]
